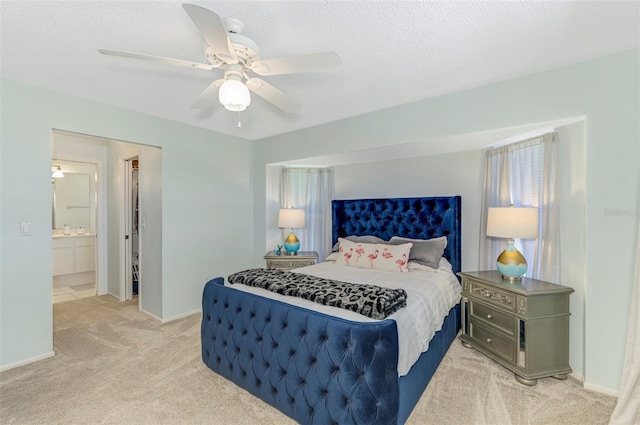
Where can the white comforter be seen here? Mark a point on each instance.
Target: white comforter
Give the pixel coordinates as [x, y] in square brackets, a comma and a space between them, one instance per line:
[431, 294]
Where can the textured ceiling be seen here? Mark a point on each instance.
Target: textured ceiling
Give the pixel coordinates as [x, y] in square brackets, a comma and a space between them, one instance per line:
[393, 52]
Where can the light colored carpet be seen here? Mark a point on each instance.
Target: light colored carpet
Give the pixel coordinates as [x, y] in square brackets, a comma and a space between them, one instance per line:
[114, 365]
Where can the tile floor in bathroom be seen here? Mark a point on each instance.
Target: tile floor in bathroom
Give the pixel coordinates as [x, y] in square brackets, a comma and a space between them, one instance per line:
[70, 293]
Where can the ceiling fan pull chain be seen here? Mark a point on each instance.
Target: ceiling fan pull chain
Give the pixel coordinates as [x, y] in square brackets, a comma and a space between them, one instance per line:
[239, 123]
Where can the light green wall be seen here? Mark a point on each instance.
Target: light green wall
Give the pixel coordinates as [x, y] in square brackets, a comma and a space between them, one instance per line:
[206, 206]
[461, 173]
[458, 173]
[604, 90]
[209, 179]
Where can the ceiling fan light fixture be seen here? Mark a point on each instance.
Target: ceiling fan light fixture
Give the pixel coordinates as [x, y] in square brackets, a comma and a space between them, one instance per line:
[234, 95]
[57, 172]
[235, 54]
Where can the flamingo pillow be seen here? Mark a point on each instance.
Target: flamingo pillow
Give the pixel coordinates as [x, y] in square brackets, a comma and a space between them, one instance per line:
[374, 256]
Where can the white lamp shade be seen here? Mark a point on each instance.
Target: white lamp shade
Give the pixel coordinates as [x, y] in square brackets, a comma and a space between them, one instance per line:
[511, 222]
[291, 218]
[234, 95]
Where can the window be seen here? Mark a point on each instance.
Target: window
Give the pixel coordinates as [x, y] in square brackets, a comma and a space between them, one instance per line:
[310, 189]
[523, 174]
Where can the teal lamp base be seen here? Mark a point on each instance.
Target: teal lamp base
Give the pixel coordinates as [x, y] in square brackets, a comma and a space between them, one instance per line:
[511, 263]
[292, 244]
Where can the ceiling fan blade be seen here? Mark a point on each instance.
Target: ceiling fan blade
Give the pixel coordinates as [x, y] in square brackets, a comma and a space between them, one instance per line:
[301, 63]
[212, 29]
[272, 95]
[208, 96]
[160, 59]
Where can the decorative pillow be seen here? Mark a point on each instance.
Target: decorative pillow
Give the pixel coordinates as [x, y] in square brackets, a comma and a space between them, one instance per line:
[332, 257]
[444, 266]
[373, 255]
[361, 239]
[426, 252]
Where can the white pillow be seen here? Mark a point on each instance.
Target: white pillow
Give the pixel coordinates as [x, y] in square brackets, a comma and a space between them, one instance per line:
[374, 256]
[332, 257]
[426, 252]
[444, 266]
[360, 239]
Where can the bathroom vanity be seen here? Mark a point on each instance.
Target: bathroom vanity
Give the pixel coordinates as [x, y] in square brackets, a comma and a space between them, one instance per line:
[74, 224]
[74, 259]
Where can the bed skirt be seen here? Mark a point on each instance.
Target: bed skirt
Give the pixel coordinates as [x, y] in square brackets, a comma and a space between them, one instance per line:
[314, 368]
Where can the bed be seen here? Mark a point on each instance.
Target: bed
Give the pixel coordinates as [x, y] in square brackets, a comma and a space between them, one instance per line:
[321, 369]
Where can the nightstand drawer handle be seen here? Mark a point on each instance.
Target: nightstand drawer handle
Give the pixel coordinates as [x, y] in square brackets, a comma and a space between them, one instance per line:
[489, 340]
[489, 316]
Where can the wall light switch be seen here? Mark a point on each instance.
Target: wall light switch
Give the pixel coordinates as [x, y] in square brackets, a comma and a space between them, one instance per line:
[25, 229]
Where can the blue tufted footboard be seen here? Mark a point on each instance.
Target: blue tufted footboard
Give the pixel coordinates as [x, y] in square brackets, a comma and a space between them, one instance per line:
[321, 369]
[312, 367]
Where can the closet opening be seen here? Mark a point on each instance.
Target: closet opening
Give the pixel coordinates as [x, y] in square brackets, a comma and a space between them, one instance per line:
[131, 213]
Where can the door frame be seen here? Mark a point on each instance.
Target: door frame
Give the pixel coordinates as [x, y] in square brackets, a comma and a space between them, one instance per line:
[124, 245]
[101, 218]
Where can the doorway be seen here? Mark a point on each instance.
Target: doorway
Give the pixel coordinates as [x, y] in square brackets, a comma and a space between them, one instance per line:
[110, 157]
[131, 212]
[74, 224]
[138, 232]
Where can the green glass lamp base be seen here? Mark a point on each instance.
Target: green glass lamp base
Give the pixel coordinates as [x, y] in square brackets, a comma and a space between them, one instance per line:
[292, 244]
[511, 263]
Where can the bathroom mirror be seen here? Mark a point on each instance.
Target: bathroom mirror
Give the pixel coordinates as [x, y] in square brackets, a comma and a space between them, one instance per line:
[71, 201]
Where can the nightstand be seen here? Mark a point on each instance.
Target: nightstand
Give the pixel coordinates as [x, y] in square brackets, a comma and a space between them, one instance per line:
[523, 325]
[288, 262]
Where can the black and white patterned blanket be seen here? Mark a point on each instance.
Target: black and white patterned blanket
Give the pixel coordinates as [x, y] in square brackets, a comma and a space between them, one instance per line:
[372, 301]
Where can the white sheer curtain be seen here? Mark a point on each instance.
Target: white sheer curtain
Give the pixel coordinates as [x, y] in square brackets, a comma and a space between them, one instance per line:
[627, 410]
[524, 174]
[312, 190]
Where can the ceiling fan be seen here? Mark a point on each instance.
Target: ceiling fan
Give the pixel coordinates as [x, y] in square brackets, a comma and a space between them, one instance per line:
[238, 56]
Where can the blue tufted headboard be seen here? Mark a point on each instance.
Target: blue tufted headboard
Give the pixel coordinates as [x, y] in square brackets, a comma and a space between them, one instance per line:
[416, 218]
[320, 369]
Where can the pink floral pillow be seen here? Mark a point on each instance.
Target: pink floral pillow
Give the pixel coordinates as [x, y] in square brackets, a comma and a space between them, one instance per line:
[374, 255]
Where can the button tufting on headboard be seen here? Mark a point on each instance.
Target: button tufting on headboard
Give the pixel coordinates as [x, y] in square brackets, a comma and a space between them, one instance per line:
[416, 218]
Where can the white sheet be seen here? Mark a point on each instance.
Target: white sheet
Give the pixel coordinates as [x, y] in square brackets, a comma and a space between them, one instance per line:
[431, 294]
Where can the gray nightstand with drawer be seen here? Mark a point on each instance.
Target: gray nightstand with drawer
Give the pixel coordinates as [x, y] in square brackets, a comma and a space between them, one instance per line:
[523, 325]
[288, 262]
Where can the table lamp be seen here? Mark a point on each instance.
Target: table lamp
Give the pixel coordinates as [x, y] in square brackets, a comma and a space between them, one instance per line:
[511, 222]
[291, 218]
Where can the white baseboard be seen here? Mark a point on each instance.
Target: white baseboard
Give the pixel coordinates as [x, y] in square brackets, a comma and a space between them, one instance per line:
[591, 387]
[599, 389]
[153, 316]
[577, 376]
[27, 361]
[171, 319]
[181, 316]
